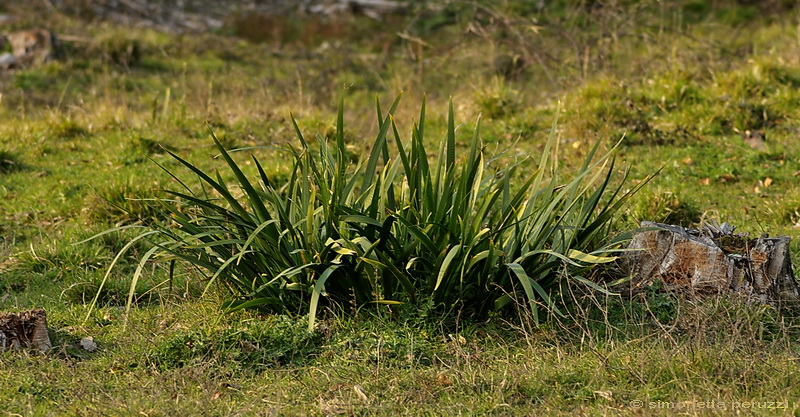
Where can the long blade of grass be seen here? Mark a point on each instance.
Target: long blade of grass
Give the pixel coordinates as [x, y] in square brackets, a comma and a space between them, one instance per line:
[451, 137]
[319, 287]
[448, 259]
[135, 280]
[111, 267]
[254, 198]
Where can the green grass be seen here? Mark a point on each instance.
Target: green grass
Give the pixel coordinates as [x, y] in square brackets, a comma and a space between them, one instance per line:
[244, 363]
[682, 81]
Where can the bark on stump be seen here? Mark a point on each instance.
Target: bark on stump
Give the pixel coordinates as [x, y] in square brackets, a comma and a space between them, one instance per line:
[28, 48]
[713, 260]
[27, 329]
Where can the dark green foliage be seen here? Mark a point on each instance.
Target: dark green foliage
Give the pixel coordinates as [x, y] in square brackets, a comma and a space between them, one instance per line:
[10, 162]
[456, 235]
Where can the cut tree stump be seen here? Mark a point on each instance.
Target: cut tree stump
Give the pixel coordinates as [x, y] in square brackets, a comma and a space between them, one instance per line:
[27, 329]
[28, 48]
[712, 260]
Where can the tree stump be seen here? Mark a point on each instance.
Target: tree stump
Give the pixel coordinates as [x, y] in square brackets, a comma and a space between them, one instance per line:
[713, 260]
[27, 329]
[28, 48]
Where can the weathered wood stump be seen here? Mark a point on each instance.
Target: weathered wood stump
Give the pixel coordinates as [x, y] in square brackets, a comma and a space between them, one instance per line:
[27, 329]
[713, 260]
[28, 48]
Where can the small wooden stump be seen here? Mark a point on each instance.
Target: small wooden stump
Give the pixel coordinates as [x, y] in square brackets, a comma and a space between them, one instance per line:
[27, 329]
[28, 48]
[713, 260]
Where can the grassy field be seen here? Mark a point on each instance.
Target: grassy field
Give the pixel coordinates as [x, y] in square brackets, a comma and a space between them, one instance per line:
[692, 88]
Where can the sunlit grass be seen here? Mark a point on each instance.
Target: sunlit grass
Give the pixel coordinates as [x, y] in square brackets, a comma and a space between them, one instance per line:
[681, 81]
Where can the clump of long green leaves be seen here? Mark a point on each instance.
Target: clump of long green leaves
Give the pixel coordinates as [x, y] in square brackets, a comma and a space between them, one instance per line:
[399, 228]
